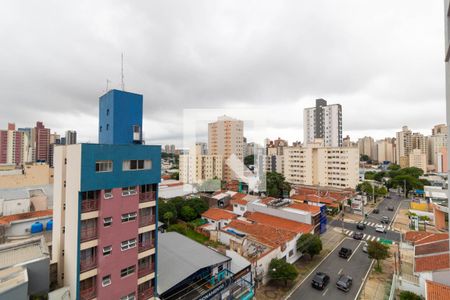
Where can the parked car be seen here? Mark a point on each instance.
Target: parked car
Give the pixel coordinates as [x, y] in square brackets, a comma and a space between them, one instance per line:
[385, 219]
[390, 208]
[345, 252]
[344, 283]
[320, 280]
[361, 226]
[358, 235]
[365, 247]
[380, 228]
[376, 211]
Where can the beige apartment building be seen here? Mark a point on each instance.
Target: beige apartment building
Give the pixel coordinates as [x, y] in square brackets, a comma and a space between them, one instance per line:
[225, 138]
[418, 159]
[386, 150]
[196, 168]
[324, 166]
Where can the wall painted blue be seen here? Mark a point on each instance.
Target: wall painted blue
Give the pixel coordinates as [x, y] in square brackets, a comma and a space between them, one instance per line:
[91, 180]
[119, 111]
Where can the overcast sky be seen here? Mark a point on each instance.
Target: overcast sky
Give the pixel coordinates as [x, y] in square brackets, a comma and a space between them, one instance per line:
[381, 60]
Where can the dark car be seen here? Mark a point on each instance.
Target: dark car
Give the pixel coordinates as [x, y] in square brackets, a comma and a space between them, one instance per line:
[345, 252]
[358, 235]
[361, 226]
[385, 219]
[344, 283]
[320, 280]
[390, 208]
[376, 211]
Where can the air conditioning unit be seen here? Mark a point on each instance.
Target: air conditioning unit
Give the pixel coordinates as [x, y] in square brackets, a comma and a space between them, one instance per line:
[108, 195]
[137, 134]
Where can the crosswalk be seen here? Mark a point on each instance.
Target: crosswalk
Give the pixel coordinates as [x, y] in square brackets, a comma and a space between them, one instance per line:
[366, 237]
[373, 224]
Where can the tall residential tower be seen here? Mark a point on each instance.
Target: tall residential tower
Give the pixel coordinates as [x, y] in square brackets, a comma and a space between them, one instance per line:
[323, 122]
[105, 207]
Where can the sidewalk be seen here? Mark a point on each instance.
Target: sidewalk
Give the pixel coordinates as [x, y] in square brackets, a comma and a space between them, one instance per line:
[304, 266]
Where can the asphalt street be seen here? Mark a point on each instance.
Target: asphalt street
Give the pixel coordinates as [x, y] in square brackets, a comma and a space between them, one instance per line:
[356, 266]
[373, 219]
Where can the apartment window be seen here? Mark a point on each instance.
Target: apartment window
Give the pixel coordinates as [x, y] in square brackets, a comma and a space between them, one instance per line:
[107, 112]
[107, 221]
[128, 297]
[127, 191]
[106, 280]
[128, 217]
[107, 126]
[107, 250]
[135, 165]
[127, 271]
[125, 245]
[103, 166]
[108, 194]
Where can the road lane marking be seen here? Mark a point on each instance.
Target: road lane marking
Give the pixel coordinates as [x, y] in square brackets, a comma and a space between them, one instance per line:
[325, 292]
[364, 236]
[346, 231]
[354, 251]
[378, 239]
[351, 232]
[339, 273]
[364, 279]
[372, 238]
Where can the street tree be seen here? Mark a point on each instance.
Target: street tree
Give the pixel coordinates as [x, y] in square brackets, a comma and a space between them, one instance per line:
[378, 251]
[276, 185]
[309, 243]
[168, 216]
[279, 269]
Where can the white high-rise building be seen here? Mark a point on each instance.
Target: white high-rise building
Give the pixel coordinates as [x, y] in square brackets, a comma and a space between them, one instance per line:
[323, 122]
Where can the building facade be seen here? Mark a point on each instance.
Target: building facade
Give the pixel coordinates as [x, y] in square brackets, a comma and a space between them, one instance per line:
[42, 140]
[226, 138]
[105, 199]
[323, 121]
[324, 166]
[11, 146]
[71, 137]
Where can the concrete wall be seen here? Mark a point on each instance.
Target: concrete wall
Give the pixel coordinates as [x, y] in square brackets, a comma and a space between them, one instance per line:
[23, 227]
[38, 276]
[18, 292]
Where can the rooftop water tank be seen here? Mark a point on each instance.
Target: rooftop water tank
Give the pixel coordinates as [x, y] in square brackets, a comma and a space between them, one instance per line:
[49, 225]
[37, 227]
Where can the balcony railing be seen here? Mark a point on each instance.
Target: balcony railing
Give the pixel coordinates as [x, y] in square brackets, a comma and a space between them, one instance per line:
[147, 196]
[146, 220]
[88, 263]
[89, 293]
[145, 294]
[89, 205]
[88, 233]
[145, 269]
[144, 246]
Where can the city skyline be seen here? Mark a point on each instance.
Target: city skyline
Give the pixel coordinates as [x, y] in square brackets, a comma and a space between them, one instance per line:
[392, 73]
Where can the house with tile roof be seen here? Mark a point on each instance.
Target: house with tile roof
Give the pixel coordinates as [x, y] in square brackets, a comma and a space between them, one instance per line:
[437, 291]
[217, 218]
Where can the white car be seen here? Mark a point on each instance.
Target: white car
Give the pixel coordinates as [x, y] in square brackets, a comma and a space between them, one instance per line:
[380, 228]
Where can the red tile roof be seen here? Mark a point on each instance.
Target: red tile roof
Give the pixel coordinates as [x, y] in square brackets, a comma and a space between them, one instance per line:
[314, 209]
[27, 215]
[238, 198]
[432, 262]
[217, 214]
[265, 234]
[437, 291]
[413, 236]
[432, 238]
[431, 248]
[313, 198]
[277, 222]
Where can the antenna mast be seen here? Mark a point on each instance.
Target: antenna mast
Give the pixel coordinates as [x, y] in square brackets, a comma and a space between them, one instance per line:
[107, 85]
[123, 83]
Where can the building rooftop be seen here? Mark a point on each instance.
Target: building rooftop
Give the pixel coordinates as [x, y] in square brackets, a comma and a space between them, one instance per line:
[217, 214]
[15, 253]
[12, 277]
[431, 252]
[279, 223]
[182, 257]
[26, 216]
[432, 263]
[264, 234]
[437, 291]
[419, 238]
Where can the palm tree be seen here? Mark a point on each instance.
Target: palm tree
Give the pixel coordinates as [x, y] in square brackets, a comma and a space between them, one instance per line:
[424, 219]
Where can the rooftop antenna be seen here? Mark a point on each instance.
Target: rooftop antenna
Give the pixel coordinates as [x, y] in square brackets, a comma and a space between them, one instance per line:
[123, 83]
[107, 84]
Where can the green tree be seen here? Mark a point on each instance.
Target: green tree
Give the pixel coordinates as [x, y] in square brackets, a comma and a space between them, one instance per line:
[381, 191]
[249, 160]
[379, 176]
[187, 213]
[279, 269]
[198, 204]
[393, 167]
[407, 295]
[364, 157]
[167, 217]
[175, 176]
[409, 181]
[378, 251]
[180, 228]
[369, 175]
[163, 208]
[309, 243]
[276, 185]
[424, 220]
